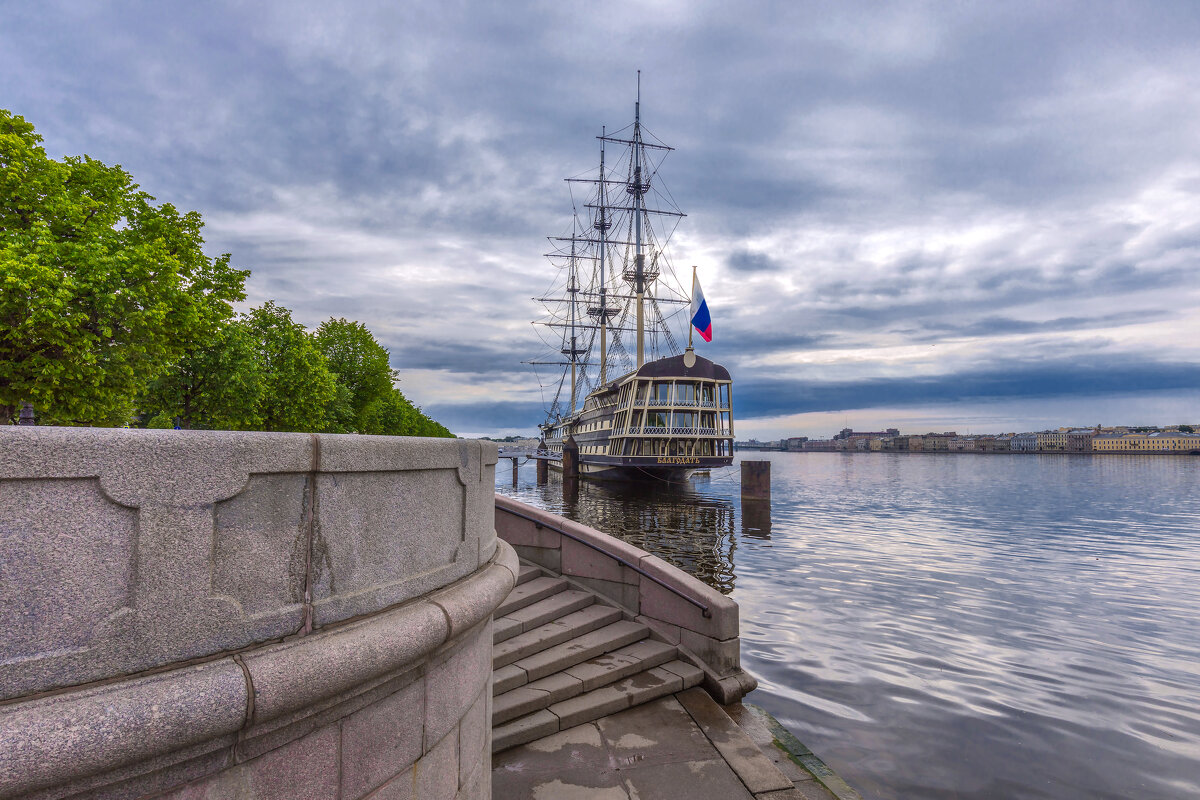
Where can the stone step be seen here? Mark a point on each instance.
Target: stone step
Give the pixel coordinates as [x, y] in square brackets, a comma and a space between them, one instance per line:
[576, 651]
[592, 674]
[528, 572]
[539, 613]
[642, 687]
[529, 593]
[567, 627]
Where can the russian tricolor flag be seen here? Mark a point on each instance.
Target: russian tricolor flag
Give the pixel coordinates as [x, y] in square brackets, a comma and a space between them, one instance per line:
[700, 319]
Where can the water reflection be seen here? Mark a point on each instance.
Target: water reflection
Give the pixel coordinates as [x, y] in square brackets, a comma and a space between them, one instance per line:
[953, 626]
[756, 519]
[689, 529]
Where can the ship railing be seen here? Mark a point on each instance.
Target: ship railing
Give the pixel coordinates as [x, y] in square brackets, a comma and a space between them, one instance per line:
[651, 430]
[708, 404]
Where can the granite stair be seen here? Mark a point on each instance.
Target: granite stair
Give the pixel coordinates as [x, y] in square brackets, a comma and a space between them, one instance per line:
[563, 656]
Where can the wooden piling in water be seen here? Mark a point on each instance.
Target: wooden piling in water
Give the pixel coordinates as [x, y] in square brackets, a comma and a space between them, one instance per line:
[570, 459]
[756, 480]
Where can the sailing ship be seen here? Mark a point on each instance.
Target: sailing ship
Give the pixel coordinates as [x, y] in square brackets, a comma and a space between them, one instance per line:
[656, 413]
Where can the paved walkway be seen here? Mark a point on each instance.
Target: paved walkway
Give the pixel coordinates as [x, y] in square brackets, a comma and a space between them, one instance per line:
[680, 746]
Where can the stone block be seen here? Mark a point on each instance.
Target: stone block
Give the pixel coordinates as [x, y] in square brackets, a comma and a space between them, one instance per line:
[519, 531]
[517, 703]
[67, 582]
[148, 777]
[580, 649]
[587, 707]
[477, 785]
[66, 737]
[401, 787]
[525, 729]
[505, 628]
[626, 595]
[508, 677]
[437, 771]
[734, 745]
[722, 656]
[293, 675]
[382, 740]
[660, 732]
[469, 602]
[306, 769]
[474, 732]
[260, 546]
[277, 731]
[385, 537]
[666, 631]
[549, 558]
[668, 605]
[558, 686]
[581, 559]
[705, 780]
[454, 679]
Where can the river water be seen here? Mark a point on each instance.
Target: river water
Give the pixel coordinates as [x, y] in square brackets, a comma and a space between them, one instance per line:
[952, 626]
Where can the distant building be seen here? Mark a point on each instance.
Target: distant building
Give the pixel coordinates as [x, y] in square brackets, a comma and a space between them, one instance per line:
[1080, 440]
[1158, 442]
[1024, 443]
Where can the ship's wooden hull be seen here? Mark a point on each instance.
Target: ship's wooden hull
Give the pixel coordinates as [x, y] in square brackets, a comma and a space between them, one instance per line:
[664, 421]
[670, 469]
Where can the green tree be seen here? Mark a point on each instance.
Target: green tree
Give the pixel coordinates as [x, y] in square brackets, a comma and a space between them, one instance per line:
[297, 386]
[216, 385]
[100, 289]
[361, 365]
[391, 414]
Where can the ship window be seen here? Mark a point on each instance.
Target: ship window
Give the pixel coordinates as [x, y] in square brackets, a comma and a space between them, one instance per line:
[661, 392]
[724, 395]
[706, 393]
[657, 419]
[685, 419]
[641, 393]
[685, 394]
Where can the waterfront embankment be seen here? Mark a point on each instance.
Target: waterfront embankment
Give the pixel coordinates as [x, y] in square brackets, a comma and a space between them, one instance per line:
[926, 624]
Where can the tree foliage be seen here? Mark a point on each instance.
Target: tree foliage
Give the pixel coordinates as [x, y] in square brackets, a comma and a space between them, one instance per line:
[360, 364]
[217, 384]
[100, 289]
[108, 305]
[297, 385]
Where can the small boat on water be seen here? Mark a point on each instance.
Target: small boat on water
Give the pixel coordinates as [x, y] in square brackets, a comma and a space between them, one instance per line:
[649, 411]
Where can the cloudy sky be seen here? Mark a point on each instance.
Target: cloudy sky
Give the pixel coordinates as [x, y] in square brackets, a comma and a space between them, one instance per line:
[970, 216]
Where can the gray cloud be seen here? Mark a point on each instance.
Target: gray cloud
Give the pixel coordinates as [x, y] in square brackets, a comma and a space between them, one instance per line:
[857, 178]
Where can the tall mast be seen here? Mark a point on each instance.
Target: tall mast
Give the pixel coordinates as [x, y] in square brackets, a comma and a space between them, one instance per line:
[573, 288]
[602, 225]
[637, 190]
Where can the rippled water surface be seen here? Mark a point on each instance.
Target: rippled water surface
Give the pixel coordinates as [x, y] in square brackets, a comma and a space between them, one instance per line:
[953, 626]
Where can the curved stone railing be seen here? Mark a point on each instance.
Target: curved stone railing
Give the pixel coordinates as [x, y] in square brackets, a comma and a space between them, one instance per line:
[678, 608]
[214, 614]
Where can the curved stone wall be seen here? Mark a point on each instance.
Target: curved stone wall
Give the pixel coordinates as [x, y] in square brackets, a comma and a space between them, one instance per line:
[197, 614]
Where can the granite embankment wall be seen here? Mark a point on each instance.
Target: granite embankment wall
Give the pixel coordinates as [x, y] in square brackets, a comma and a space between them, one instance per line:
[195, 614]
